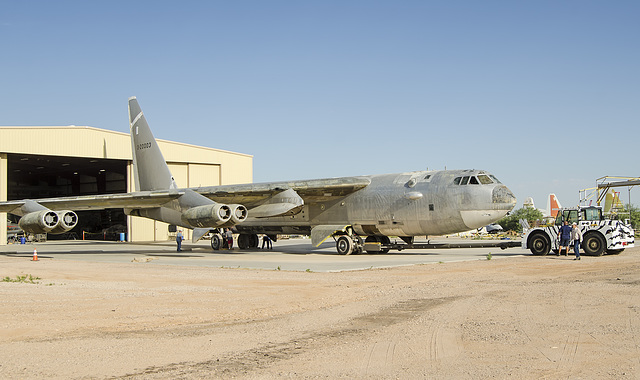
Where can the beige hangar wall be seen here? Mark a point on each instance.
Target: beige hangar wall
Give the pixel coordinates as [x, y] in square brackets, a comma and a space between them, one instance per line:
[190, 165]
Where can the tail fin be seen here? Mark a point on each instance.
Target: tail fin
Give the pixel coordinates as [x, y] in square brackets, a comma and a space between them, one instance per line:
[529, 203]
[553, 205]
[150, 169]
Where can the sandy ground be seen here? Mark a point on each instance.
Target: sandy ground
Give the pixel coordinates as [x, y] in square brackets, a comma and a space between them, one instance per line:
[524, 318]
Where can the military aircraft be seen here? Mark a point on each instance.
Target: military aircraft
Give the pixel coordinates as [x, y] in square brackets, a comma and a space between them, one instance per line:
[360, 212]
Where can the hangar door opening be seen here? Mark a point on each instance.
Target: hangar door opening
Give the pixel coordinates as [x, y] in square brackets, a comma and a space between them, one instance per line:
[36, 176]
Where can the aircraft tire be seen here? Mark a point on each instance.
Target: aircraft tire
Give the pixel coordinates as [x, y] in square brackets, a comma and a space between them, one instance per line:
[244, 241]
[253, 241]
[387, 241]
[594, 244]
[539, 245]
[344, 245]
[216, 242]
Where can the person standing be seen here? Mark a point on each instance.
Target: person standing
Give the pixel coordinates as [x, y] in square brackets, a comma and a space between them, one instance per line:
[266, 240]
[576, 237]
[179, 239]
[565, 238]
[229, 236]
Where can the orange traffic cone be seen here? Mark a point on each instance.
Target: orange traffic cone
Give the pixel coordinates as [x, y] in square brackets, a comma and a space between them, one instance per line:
[35, 255]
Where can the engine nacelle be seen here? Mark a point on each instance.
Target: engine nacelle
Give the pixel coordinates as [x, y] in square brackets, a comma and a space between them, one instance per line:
[67, 220]
[212, 215]
[39, 222]
[238, 213]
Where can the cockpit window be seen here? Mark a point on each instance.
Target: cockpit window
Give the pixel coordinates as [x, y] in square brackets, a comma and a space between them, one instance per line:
[494, 178]
[485, 180]
[426, 178]
[481, 179]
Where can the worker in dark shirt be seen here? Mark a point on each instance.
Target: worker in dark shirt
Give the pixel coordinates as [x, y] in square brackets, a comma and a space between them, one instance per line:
[565, 238]
[179, 239]
[266, 240]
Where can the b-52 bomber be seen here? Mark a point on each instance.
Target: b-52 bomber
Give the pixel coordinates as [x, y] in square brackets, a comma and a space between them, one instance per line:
[360, 213]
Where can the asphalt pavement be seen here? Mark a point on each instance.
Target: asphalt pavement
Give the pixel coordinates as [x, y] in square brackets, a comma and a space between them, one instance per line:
[292, 255]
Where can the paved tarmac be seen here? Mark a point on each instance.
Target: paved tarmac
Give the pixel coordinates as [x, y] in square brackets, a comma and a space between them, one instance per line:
[292, 255]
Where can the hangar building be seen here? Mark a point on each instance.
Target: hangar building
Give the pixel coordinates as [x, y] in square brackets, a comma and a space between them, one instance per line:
[43, 162]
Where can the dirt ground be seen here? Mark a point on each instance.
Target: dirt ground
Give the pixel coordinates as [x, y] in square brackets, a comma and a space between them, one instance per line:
[524, 317]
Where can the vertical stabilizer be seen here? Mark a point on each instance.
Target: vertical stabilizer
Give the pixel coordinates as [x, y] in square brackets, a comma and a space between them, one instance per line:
[150, 169]
[553, 205]
[529, 203]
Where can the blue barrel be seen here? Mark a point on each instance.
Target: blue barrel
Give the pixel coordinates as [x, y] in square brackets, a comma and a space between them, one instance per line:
[121, 236]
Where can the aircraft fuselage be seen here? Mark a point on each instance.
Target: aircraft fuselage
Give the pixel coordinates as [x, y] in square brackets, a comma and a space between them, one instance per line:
[405, 204]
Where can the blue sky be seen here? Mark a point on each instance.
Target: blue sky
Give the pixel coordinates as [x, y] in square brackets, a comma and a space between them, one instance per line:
[543, 94]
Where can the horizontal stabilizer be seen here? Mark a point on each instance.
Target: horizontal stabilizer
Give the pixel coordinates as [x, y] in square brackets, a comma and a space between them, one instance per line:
[320, 233]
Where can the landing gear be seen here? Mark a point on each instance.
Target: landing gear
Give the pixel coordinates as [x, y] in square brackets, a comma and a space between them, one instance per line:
[246, 241]
[344, 245]
[348, 244]
[216, 241]
[243, 241]
[382, 240]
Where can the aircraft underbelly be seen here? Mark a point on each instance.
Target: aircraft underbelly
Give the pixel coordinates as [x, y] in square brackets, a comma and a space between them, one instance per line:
[480, 218]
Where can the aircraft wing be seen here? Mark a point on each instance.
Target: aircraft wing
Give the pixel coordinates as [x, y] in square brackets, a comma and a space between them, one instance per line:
[141, 199]
[251, 195]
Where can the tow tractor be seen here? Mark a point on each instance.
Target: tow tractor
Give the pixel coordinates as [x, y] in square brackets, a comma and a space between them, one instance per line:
[599, 234]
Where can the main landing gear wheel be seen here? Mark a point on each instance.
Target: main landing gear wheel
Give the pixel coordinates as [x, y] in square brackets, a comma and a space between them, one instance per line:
[344, 245]
[216, 242]
[247, 241]
[244, 241]
[253, 241]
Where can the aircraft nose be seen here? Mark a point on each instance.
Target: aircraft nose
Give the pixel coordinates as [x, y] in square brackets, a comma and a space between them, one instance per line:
[504, 197]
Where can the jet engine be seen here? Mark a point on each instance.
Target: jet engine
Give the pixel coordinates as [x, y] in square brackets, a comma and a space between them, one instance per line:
[66, 221]
[212, 215]
[39, 222]
[238, 214]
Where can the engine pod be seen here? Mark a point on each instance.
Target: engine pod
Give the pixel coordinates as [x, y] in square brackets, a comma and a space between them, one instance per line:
[67, 220]
[39, 222]
[212, 215]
